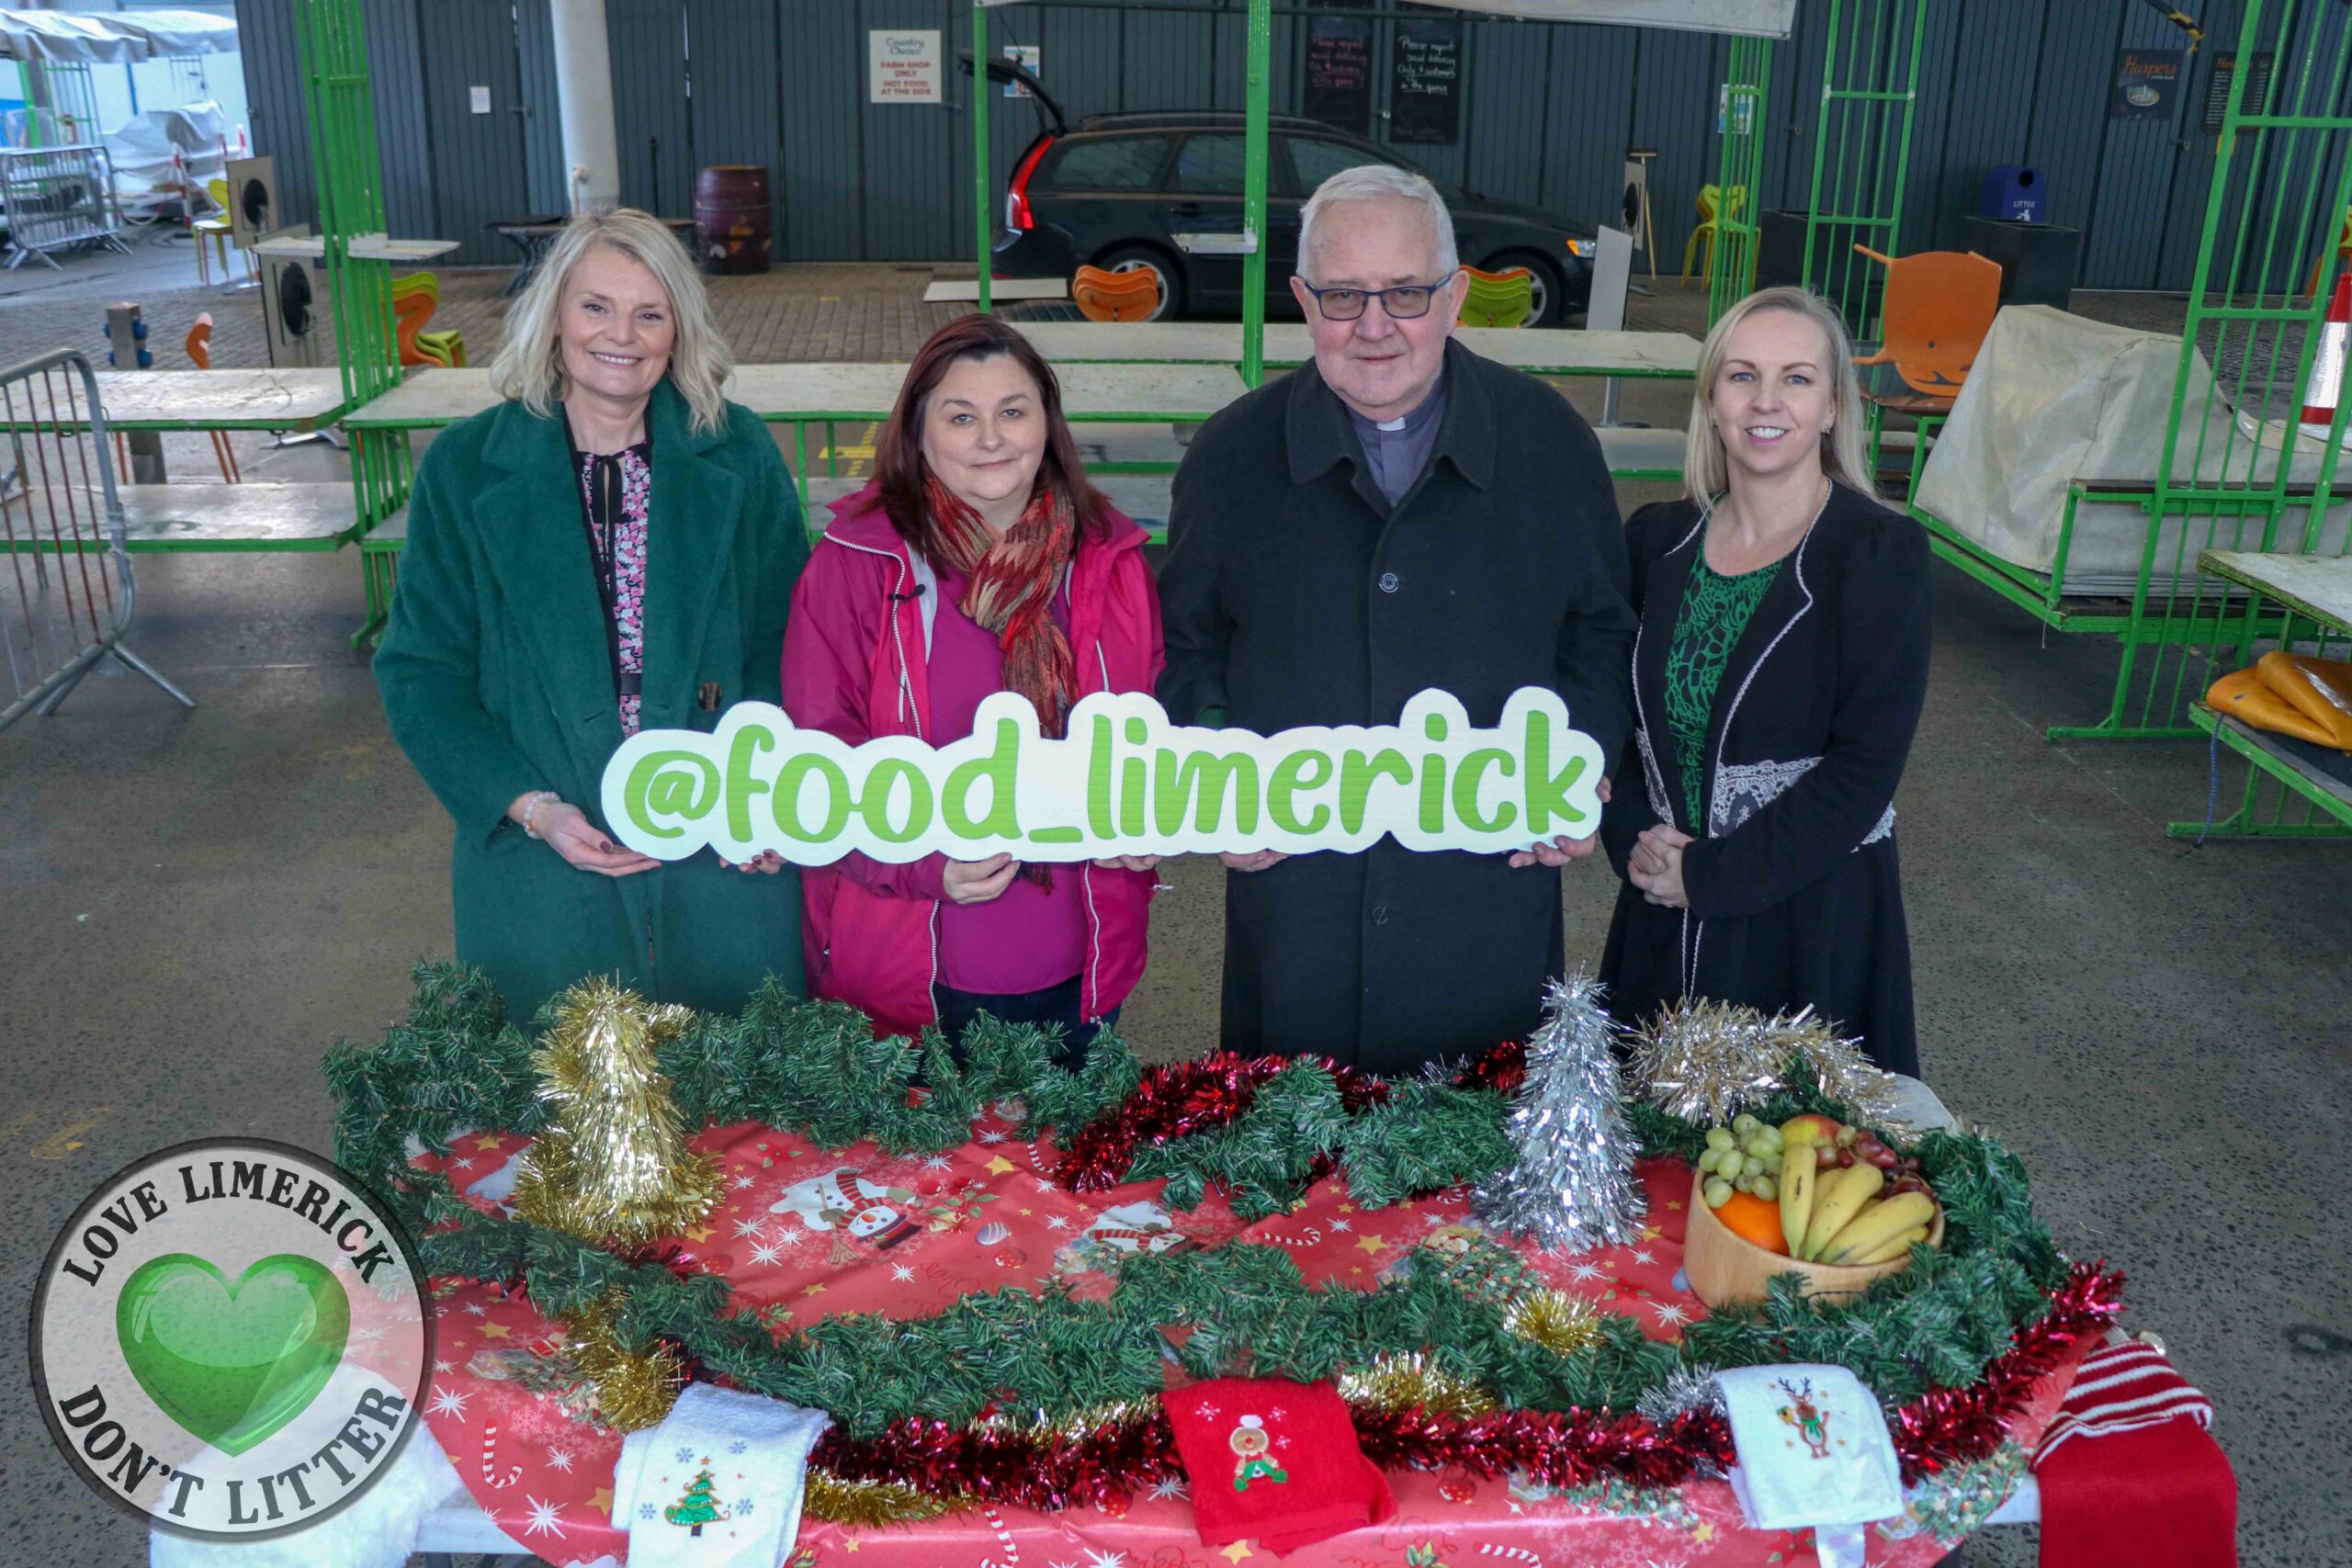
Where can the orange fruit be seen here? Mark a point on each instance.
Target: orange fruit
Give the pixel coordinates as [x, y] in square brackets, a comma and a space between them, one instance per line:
[1752, 1219]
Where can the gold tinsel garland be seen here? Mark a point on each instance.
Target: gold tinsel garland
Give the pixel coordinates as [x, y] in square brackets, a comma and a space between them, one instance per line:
[1406, 1381]
[1705, 1062]
[1559, 1322]
[634, 1389]
[615, 1169]
[867, 1503]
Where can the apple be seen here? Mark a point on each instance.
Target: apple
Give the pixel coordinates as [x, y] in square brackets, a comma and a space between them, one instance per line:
[1810, 1128]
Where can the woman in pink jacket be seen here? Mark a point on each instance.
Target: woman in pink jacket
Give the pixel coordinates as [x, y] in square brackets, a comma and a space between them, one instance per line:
[980, 560]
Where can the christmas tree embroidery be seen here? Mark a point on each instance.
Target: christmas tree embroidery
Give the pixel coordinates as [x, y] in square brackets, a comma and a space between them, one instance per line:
[697, 1507]
[1248, 1440]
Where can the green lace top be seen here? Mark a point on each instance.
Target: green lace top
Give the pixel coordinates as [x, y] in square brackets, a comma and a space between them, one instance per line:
[1707, 625]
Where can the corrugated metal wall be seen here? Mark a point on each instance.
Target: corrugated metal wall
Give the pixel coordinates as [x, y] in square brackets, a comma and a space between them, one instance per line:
[1547, 113]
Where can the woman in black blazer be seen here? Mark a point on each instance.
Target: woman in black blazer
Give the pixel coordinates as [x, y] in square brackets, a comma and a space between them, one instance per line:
[1778, 678]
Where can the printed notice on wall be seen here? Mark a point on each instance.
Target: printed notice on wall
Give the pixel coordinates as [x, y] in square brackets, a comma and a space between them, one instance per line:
[904, 66]
[1424, 91]
[1339, 71]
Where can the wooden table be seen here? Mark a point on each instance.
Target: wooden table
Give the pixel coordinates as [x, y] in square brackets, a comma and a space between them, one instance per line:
[1540, 351]
[2318, 588]
[193, 400]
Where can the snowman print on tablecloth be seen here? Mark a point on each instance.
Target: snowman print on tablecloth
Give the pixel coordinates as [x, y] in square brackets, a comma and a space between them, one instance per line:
[1118, 1233]
[870, 1211]
[1254, 1462]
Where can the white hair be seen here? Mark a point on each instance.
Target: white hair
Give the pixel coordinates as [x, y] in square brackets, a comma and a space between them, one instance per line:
[529, 366]
[1379, 182]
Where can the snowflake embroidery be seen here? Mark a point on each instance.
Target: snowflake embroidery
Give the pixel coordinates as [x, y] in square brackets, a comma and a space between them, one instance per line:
[1669, 1313]
[991, 1137]
[444, 1366]
[792, 1235]
[766, 1253]
[744, 1507]
[1341, 1226]
[902, 1273]
[545, 1517]
[746, 1228]
[475, 1309]
[1585, 1273]
[685, 1456]
[1106, 1558]
[742, 1182]
[450, 1402]
[645, 1511]
[1641, 1254]
[463, 1163]
[1057, 1222]
[936, 1162]
[738, 1445]
[1170, 1486]
[561, 1460]
[1432, 1219]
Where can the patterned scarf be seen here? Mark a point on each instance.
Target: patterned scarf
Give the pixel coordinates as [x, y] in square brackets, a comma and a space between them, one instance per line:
[1012, 591]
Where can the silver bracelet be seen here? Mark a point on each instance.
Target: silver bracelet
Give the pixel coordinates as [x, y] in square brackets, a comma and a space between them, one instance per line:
[531, 804]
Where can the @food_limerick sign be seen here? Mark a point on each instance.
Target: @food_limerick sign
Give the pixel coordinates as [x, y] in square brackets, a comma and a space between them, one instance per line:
[1125, 780]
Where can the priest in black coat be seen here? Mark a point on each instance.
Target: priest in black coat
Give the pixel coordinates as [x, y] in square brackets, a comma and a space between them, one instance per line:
[1778, 680]
[1398, 515]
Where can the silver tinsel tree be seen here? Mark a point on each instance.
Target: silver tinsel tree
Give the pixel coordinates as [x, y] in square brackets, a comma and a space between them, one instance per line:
[1570, 1186]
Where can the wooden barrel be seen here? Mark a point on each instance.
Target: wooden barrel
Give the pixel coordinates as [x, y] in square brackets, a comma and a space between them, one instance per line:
[731, 217]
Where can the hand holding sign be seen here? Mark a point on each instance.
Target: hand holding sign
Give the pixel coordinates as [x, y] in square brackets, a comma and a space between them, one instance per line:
[1123, 783]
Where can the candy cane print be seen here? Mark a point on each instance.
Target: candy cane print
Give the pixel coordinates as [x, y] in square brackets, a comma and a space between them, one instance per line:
[1003, 1538]
[490, 1457]
[1509, 1554]
[1313, 1237]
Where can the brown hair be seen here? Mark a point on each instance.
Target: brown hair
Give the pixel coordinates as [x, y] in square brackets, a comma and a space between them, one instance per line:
[897, 451]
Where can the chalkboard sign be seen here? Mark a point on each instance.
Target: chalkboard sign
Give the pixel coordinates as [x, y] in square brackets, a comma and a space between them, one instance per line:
[1425, 86]
[1339, 72]
[2225, 75]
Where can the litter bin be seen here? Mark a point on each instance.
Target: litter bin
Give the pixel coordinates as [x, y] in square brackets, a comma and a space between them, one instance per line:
[731, 217]
[2012, 190]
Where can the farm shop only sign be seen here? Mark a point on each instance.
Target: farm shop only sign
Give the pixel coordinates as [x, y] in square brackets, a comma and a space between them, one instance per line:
[902, 67]
[1124, 781]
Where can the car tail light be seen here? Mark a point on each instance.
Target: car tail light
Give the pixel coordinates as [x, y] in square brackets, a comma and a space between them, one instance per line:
[1016, 197]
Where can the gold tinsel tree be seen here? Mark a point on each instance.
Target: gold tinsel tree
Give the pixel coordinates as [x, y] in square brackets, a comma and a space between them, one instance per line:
[616, 1169]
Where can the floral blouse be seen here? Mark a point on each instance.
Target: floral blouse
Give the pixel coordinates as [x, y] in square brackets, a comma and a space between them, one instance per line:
[617, 546]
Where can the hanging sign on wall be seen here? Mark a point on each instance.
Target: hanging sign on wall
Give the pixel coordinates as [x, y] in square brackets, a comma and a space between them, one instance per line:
[1339, 71]
[903, 67]
[1124, 781]
[2147, 82]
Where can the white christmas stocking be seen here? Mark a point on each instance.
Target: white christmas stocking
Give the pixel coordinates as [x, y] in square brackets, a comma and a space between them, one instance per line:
[718, 1484]
[1813, 1453]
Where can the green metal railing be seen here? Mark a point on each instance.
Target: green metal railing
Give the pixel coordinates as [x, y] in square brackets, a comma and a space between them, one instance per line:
[333, 52]
[1861, 152]
[1739, 182]
[2233, 473]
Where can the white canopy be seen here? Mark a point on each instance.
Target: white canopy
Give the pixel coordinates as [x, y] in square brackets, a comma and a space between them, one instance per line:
[1760, 18]
[112, 37]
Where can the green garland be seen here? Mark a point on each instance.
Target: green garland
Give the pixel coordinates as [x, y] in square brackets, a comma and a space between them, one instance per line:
[1244, 1310]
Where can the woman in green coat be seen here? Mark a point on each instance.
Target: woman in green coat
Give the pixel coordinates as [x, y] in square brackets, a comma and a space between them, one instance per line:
[611, 548]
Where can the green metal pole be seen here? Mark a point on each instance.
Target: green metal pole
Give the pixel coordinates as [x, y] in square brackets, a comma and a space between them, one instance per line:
[1255, 150]
[981, 194]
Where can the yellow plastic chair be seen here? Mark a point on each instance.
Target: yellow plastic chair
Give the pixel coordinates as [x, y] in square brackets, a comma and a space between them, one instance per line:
[212, 233]
[1712, 208]
[415, 298]
[1497, 299]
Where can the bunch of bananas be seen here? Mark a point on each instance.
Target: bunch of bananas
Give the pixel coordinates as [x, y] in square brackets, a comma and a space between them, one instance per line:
[1838, 1216]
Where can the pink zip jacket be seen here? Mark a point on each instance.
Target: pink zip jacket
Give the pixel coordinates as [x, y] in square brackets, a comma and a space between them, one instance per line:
[855, 666]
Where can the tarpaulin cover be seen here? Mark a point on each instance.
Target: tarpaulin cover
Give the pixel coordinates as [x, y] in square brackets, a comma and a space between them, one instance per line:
[2054, 398]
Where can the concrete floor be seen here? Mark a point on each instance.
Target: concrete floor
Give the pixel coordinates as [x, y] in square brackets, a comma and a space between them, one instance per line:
[195, 903]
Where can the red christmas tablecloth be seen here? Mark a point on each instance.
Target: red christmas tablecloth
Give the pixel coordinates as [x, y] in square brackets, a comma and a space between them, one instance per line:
[803, 1233]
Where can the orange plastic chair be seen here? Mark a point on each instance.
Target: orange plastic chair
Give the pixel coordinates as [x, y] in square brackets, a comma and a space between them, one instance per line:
[1938, 307]
[199, 352]
[1103, 296]
[415, 298]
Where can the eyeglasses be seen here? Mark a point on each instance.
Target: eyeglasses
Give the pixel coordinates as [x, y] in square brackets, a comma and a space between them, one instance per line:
[1405, 302]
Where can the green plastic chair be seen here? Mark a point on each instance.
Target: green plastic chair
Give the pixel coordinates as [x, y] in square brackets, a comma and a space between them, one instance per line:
[1497, 299]
[1711, 208]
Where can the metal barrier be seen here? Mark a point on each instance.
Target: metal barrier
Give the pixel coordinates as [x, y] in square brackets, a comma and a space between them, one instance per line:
[65, 591]
[56, 197]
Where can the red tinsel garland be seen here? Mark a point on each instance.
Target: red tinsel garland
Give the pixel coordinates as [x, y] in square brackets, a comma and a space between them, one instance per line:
[1178, 1100]
[1052, 1469]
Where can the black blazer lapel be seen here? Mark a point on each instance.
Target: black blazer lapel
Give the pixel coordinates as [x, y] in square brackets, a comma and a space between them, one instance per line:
[1668, 577]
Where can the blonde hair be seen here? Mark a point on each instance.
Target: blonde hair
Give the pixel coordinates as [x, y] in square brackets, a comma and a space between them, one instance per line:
[1706, 469]
[529, 367]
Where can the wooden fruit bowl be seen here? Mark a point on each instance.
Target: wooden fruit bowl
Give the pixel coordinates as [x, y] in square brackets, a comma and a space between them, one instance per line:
[1725, 1266]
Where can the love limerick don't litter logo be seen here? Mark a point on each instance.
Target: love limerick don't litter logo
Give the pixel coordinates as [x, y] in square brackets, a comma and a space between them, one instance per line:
[230, 1337]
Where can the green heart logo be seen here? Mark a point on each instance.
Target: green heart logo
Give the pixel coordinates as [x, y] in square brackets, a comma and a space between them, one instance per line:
[232, 1363]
